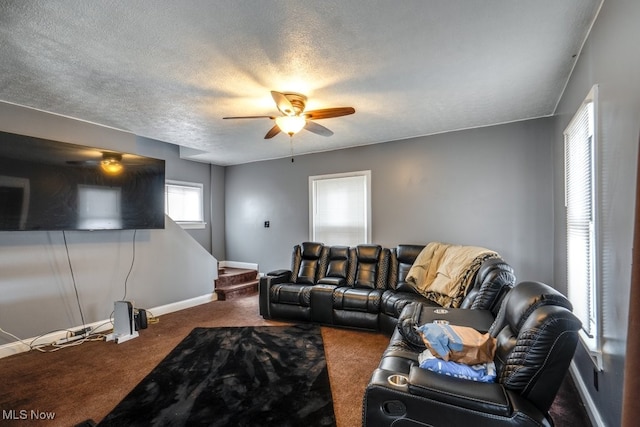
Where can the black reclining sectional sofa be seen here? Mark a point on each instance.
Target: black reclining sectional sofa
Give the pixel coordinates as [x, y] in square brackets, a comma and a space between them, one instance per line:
[364, 286]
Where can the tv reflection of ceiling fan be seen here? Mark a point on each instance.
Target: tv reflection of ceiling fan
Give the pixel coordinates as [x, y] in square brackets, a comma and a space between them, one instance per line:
[294, 118]
[110, 162]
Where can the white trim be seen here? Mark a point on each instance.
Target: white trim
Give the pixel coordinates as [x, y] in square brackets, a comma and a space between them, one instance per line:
[237, 264]
[181, 305]
[187, 225]
[105, 325]
[590, 406]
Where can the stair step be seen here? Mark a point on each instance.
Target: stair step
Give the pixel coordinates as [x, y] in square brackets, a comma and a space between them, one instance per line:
[228, 292]
[235, 282]
[232, 276]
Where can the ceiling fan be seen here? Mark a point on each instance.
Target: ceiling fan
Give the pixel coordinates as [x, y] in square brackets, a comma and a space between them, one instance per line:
[111, 163]
[294, 118]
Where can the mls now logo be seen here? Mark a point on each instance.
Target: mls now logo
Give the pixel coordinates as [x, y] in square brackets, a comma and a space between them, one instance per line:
[23, 414]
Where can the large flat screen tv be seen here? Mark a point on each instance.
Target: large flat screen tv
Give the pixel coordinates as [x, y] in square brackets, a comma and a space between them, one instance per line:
[51, 185]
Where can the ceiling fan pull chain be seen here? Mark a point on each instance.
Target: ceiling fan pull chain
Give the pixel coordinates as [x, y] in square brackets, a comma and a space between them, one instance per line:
[291, 145]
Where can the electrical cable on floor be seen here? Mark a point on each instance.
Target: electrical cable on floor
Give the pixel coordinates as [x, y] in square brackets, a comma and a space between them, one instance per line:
[42, 347]
[151, 319]
[18, 339]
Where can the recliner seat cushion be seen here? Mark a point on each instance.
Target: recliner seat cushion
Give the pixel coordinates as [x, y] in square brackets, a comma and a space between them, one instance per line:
[357, 299]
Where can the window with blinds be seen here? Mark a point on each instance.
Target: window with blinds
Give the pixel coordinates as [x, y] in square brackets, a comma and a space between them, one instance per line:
[340, 208]
[580, 194]
[184, 203]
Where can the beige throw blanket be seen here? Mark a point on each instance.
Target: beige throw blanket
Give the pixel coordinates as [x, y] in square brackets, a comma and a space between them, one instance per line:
[443, 272]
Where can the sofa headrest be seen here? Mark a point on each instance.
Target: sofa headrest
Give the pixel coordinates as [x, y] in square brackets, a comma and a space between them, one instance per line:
[339, 252]
[368, 253]
[490, 265]
[407, 254]
[311, 250]
[525, 298]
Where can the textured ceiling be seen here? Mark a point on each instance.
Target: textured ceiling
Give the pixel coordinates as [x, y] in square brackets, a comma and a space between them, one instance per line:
[170, 70]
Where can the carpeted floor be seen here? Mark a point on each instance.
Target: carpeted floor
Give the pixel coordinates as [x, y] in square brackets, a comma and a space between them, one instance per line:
[88, 381]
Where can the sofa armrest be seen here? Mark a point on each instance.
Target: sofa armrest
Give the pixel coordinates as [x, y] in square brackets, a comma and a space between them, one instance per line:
[280, 273]
[484, 397]
[322, 303]
[264, 287]
[435, 400]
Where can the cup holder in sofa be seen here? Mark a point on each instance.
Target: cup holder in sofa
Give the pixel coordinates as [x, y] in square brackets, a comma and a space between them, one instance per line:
[398, 380]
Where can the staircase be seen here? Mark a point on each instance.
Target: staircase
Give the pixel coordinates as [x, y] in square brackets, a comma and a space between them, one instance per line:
[236, 282]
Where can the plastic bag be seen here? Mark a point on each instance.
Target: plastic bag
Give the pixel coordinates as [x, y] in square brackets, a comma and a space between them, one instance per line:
[483, 372]
[458, 343]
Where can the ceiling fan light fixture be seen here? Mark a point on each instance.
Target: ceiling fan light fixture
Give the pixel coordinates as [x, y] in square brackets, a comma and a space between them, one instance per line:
[111, 164]
[290, 124]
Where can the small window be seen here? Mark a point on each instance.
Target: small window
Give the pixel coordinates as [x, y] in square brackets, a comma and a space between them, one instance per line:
[340, 208]
[580, 139]
[184, 203]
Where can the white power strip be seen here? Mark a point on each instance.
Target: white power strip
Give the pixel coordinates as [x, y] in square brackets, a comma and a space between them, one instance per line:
[70, 339]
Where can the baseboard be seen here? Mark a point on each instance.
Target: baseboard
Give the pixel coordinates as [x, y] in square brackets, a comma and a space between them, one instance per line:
[237, 264]
[590, 406]
[17, 347]
[181, 305]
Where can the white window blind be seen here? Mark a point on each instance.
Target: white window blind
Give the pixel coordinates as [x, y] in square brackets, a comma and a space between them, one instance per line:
[184, 203]
[340, 208]
[580, 194]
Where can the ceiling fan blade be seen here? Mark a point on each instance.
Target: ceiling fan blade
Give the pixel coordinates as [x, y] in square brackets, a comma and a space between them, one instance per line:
[83, 162]
[284, 105]
[327, 113]
[272, 132]
[317, 129]
[250, 117]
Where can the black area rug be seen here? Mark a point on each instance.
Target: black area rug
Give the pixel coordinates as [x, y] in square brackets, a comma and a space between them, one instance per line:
[241, 376]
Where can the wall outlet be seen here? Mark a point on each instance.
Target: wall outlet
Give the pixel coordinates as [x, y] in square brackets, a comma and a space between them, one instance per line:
[266, 224]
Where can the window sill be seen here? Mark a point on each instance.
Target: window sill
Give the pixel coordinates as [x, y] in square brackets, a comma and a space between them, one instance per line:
[192, 225]
[591, 347]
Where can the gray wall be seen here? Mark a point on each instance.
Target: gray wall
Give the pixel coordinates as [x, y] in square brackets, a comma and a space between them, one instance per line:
[218, 249]
[212, 237]
[37, 292]
[611, 58]
[488, 187]
[182, 170]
